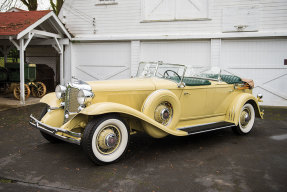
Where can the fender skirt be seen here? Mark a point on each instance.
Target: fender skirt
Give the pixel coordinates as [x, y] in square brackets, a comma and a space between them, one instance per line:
[109, 107]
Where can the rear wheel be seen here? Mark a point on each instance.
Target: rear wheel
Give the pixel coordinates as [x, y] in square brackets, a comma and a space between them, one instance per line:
[16, 91]
[105, 140]
[246, 120]
[38, 89]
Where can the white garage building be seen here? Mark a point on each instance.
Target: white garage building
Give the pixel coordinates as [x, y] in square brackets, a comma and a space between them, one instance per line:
[247, 38]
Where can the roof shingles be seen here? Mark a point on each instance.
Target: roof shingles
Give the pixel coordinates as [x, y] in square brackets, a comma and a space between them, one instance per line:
[12, 23]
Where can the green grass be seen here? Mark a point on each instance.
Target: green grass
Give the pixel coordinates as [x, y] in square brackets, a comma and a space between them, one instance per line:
[3, 180]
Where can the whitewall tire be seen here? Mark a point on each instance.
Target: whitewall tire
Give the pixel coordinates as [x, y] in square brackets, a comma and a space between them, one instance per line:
[105, 139]
[246, 120]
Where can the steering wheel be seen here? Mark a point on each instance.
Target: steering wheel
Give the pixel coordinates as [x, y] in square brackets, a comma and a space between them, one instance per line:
[168, 76]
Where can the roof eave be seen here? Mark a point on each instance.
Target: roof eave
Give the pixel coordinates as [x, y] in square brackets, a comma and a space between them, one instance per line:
[44, 18]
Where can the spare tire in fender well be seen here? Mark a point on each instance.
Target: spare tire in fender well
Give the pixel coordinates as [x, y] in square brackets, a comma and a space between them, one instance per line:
[158, 102]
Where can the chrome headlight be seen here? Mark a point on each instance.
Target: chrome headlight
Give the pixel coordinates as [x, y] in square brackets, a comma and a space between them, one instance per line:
[60, 91]
[84, 96]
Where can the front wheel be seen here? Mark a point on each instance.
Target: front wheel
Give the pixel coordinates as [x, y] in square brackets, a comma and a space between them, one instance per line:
[246, 120]
[105, 140]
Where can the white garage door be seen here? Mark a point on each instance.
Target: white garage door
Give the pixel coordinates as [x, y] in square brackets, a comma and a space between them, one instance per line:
[195, 53]
[261, 60]
[101, 61]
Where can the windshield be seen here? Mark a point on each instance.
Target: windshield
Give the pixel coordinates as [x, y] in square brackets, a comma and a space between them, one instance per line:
[177, 72]
[211, 73]
[173, 72]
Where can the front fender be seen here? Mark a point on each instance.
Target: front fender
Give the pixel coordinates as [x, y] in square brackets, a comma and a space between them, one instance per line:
[109, 107]
[233, 111]
[51, 100]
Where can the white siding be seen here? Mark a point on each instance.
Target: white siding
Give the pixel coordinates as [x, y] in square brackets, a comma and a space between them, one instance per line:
[192, 53]
[215, 49]
[135, 57]
[100, 61]
[125, 18]
[263, 61]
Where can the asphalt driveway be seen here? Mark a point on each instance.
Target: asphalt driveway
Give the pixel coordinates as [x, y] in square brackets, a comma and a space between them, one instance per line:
[215, 161]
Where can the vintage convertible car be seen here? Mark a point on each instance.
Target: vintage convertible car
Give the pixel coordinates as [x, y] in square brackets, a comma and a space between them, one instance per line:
[164, 99]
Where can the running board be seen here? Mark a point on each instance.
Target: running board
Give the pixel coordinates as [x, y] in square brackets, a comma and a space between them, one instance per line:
[206, 127]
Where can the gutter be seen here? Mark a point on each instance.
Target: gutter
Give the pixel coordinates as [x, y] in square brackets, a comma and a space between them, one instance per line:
[133, 37]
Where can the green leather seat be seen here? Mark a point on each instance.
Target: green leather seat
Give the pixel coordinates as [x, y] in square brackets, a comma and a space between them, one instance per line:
[189, 81]
[229, 79]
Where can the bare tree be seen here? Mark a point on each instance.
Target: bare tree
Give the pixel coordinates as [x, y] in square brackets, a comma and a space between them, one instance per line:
[7, 4]
[32, 5]
[56, 7]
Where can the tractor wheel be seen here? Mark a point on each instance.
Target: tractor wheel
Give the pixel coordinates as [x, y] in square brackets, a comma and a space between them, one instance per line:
[38, 89]
[16, 91]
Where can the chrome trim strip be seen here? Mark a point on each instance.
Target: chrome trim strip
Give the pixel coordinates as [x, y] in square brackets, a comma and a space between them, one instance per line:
[202, 117]
[206, 127]
[211, 130]
[53, 130]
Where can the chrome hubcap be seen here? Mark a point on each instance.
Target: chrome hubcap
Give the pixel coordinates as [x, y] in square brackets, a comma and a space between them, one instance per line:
[245, 117]
[111, 140]
[108, 139]
[163, 113]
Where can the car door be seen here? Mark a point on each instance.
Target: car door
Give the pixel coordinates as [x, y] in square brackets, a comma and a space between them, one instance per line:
[218, 98]
[193, 102]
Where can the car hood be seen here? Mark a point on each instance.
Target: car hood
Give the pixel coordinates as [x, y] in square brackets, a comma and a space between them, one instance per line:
[123, 85]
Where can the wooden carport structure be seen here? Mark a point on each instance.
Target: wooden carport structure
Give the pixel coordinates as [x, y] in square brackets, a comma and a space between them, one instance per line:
[24, 28]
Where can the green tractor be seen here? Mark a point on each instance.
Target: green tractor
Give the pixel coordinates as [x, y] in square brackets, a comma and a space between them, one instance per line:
[10, 77]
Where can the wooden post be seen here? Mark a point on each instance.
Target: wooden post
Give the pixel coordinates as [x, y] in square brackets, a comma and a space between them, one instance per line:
[62, 65]
[22, 78]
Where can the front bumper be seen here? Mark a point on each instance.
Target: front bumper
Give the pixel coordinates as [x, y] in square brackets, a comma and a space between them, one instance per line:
[54, 130]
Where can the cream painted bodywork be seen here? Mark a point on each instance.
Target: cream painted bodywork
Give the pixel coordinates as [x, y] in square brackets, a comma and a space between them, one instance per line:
[196, 104]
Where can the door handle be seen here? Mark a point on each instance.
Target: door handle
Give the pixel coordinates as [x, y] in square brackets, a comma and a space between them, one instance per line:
[186, 93]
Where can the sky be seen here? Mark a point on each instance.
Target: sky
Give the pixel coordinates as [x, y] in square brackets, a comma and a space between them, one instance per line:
[43, 4]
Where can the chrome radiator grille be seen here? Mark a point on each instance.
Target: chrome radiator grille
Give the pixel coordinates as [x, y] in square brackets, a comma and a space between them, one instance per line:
[71, 103]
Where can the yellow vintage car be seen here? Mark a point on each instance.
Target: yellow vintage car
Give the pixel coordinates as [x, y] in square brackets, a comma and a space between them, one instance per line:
[164, 99]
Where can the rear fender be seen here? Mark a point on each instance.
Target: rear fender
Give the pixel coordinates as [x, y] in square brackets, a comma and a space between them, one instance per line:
[109, 107]
[233, 111]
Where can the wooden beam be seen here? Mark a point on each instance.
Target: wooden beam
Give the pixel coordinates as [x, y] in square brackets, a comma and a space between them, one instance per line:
[48, 41]
[45, 33]
[28, 40]
[14, 42]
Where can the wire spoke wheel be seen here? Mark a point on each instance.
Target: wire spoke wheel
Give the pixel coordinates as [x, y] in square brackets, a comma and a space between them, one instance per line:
[16, 91]
[105, 139]
[38, 89]
[108, 139]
